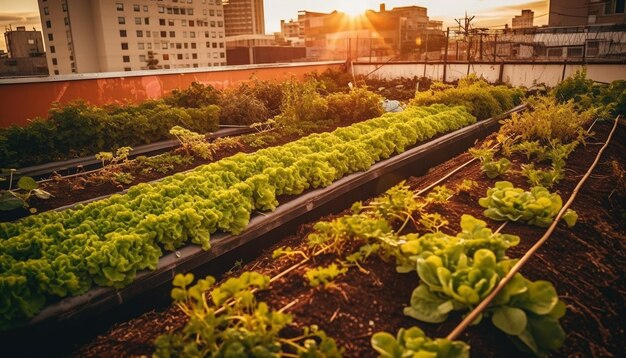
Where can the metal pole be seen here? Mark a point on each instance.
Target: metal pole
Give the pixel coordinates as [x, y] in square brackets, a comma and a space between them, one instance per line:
[481, 46]
[445, 56]
[495, 47]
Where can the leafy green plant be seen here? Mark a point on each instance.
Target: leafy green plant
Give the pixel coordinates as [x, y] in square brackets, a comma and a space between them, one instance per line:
[232, 323]
[489, 166]
[505, 202]
[324, 275]
[540, 177]
[440, 194]
[457, 273]
[412, 342]
[27, 187]
[466, 186]
[163, 163]
[192, 142]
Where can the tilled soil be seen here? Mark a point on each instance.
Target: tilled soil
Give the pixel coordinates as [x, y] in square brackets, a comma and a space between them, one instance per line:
[586, 265]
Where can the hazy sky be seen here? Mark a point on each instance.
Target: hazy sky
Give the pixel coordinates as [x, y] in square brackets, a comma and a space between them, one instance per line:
[488, 12]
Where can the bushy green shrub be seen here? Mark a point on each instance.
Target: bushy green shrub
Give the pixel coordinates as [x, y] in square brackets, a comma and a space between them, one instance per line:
[302, 103]
[242, 109]
[80, 129]
[268, 92]
[478, 96]
[357, 105]
[196, 96]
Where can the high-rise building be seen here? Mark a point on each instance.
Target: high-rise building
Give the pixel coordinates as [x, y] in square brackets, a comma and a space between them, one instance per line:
[85, 36]
[23, 43]
[244, 17]
[586, 12]
[523, 21]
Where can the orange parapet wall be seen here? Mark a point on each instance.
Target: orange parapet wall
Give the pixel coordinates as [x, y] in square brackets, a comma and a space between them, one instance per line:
[27, 98]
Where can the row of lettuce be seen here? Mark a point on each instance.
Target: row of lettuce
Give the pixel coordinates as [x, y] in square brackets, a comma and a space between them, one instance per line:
[456, 271]
[60, 253]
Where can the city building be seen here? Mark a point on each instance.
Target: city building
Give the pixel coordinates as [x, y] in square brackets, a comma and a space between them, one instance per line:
[523, 21]
[291, 28]
[586, 12]
[25, 54]
[23, 43]
[244, 17]
[401, 32]
[84, 36]
[256, 49]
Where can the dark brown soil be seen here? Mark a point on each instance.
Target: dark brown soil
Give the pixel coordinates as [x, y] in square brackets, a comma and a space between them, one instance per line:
[586, 265]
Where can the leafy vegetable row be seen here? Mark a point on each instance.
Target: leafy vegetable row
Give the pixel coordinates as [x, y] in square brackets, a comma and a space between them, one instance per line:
[108, 241]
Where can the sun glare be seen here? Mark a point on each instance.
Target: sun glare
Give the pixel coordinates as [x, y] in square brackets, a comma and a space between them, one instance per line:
[353, 8]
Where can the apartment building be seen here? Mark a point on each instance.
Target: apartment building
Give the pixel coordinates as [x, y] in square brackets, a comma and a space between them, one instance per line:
[85, 36]
[244, 17]
[523, 21]
[587, 12]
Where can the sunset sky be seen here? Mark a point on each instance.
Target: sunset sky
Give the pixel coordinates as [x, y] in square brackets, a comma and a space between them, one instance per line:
[489, 13]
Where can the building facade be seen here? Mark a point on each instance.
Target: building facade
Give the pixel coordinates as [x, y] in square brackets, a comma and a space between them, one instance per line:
[244, 17]
[25, 56]
[85, 36]
[401, 32]
[586, 12]
[523, 21]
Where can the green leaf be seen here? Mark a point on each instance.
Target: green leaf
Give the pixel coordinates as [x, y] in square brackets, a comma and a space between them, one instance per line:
[511, 320]
[425, 306]
[27, 183]
[547, 332]
[386, 345]
[541, 298]
[570, 217]
[9, 201]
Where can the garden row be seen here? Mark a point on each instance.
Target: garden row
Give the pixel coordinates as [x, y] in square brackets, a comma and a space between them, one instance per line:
[337, 276]
[60, 253]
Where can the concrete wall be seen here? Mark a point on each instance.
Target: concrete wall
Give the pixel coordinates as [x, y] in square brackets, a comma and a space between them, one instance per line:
[22, 99]
[516, 74]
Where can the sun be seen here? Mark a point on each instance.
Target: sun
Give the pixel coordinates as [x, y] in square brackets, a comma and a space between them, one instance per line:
[353, 8]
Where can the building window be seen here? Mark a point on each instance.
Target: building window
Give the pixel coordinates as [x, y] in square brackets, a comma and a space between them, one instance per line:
[140, 45]
[137, 21]
[56, 72]
[179, 56]
[50, 37]
[119, 6]
[212, 23]
[136, 7]
[214, 45]
[139, 33]
[167, 67]
[54, 61]
[222, 55]
[166, 57]
[170, 22]
[146, 21]
[126, 58]
[179, 46]
[124, 45]
[194, 56]
[163, 33]
[574, 52]
[147, 33]
[220, 24]
[189, 11]
[193, 45]
[192, 34]
[149, 46]
[123, 33]
[182, 11]
[48, 24]
[191, 23]
[66, 20]
[183, 22]
[142, 58]
[212, 12]
[221, 45]
[161, 10]
[46, 11]
[162, 22]
[121, 20]
[64, 7]
[52, 49]
[172, 33]
[164, 45]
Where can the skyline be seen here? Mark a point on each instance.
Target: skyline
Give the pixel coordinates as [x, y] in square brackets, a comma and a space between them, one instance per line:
[489, 13]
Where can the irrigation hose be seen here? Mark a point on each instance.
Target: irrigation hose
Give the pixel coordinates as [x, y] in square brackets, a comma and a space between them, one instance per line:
[471, 317]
